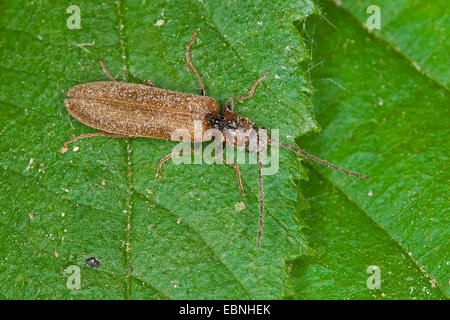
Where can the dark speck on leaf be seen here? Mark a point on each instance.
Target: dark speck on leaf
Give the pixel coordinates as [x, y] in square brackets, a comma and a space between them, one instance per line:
[92, 262]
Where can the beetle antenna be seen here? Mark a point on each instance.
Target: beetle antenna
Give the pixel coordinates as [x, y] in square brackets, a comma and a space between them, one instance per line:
[229, 104]
[110, 77]
[316, 159]
[261, 200]
[191, 66]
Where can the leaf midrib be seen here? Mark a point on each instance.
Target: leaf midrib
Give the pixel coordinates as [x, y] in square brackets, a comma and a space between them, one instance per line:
[129, 170]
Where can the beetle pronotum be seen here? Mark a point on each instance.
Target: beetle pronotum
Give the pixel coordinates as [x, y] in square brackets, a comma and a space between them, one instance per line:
[121, 109]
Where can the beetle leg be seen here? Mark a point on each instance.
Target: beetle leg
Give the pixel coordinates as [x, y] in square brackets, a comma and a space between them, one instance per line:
[110, 77]
[238, 175]
[175, 153]
[249, 95]
[88, 135]
[219, 155]
[191, 66]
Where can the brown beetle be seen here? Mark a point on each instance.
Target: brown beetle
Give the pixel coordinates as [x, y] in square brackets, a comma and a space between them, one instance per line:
[121, 109]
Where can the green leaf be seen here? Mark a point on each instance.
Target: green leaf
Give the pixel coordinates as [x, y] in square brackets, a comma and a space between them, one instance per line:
[190, 235]
[347, 242]
[417, 29]
[383, 118]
